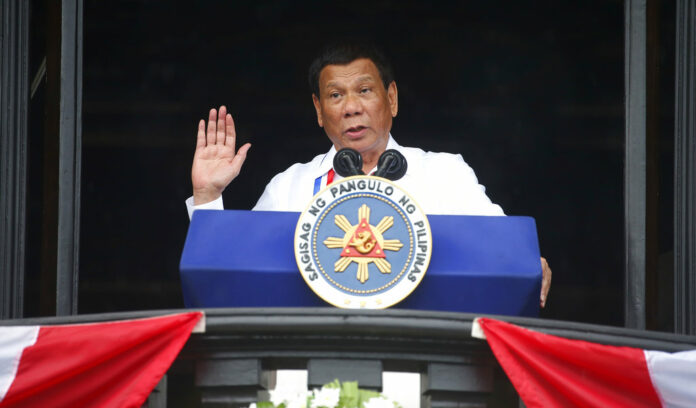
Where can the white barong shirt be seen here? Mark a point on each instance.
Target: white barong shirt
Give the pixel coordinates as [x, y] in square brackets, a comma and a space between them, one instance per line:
[441, 183]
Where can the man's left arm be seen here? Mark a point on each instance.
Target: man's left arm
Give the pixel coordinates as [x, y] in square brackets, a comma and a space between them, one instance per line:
[475, 201]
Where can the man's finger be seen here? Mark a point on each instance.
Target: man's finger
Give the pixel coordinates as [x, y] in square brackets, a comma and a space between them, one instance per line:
[212, 117]
[239, 158]
[220, 134]
[230, 133]
[545, 282]
[200, 138]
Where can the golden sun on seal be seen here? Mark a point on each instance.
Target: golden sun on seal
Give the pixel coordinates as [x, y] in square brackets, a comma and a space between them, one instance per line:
[363, 243]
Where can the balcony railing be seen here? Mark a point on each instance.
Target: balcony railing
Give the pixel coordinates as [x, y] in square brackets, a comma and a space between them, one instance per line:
[235, 361]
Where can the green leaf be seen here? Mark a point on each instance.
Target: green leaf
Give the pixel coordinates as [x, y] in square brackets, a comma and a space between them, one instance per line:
[350, 396]
[364, 396]
[333, 384]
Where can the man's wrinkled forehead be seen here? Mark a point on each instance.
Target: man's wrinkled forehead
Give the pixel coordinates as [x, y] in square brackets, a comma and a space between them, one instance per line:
[334, 75]
[336, 82]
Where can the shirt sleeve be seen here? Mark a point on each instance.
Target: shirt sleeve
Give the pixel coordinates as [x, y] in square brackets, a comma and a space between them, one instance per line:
[466, 195]
[478, 202]
[279, 192]
[266, 201]
[213, 205]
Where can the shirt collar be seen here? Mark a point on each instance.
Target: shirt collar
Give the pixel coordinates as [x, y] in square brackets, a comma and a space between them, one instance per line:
[326, 163]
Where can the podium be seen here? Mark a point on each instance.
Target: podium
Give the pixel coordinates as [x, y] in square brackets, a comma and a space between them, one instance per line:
[479, 264]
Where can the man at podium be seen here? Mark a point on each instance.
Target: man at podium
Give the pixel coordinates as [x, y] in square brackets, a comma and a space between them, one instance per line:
[356, 99]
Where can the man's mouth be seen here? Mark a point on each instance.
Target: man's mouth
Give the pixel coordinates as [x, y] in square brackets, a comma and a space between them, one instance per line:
[355, 131]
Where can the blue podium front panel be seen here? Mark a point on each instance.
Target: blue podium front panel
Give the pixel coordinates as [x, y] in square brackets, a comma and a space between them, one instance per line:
[479, 264]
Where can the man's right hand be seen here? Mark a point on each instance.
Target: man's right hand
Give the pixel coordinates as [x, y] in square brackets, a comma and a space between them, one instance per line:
[215, 163]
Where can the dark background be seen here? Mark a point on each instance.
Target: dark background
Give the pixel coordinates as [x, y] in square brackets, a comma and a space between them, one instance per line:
[530, 93]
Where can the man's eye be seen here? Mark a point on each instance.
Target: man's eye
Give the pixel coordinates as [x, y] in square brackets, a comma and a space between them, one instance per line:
[365, 90]
[334, 94]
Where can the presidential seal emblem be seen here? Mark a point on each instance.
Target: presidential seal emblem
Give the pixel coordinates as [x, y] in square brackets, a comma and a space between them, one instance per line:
[363, 242]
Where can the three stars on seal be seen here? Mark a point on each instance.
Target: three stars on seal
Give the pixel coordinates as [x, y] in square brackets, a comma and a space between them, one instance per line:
[363, 243]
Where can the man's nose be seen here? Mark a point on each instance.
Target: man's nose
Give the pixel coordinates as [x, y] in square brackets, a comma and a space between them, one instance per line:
[353, 105]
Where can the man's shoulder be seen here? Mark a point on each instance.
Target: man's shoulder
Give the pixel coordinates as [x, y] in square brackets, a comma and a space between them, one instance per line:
[429, 158]
[438, 168]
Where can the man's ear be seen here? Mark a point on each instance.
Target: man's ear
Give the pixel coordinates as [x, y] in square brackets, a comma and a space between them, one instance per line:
[393, 96]
[317, 106]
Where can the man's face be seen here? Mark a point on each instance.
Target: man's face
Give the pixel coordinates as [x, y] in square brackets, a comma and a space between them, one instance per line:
[354, 108]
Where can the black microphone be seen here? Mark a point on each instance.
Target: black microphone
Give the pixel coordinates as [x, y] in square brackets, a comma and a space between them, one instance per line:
[348, 162]
[391, 165]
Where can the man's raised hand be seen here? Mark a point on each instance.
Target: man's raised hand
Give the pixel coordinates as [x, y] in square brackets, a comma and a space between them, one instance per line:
[215, 163]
